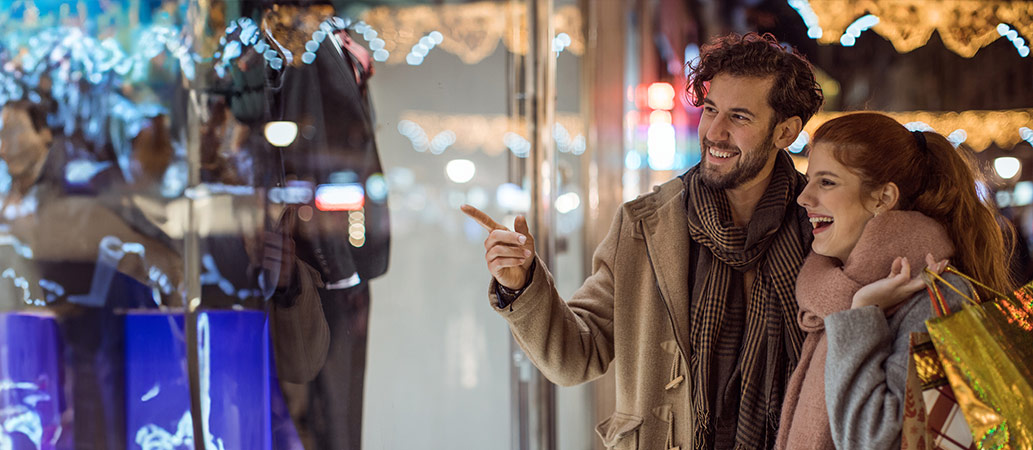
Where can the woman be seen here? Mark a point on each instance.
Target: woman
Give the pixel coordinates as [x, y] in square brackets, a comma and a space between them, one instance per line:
[882, 200]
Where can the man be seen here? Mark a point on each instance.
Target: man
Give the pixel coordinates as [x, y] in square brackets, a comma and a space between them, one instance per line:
[692, 290]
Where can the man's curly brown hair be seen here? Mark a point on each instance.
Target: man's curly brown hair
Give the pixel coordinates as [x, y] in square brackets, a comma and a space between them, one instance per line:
[794, 92]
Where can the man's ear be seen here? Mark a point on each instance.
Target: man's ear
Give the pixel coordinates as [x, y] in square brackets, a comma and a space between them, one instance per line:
[886, 197]
[786, 131]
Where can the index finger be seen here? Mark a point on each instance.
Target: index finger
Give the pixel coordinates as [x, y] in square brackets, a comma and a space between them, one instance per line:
[481, 218]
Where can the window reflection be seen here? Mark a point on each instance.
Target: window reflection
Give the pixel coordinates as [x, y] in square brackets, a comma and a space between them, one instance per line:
[128, 128]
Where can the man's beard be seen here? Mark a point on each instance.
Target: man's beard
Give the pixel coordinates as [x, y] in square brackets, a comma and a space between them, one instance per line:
[749, 166]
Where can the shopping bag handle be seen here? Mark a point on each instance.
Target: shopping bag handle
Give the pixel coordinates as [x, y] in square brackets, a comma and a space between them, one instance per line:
[936, 296]
[957, 272]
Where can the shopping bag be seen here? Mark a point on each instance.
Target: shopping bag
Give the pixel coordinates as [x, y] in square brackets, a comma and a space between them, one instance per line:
[932, 418]
[984, 349]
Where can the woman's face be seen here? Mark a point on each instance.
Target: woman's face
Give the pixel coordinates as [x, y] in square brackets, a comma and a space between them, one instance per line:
[836, 202]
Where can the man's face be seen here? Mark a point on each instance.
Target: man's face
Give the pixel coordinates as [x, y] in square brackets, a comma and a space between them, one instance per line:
[736, 131]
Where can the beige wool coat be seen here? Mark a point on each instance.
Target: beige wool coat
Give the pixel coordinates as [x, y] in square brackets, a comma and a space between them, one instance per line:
[633, 311]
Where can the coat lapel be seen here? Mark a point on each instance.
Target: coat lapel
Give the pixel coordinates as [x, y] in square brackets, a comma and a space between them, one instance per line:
[667, 240]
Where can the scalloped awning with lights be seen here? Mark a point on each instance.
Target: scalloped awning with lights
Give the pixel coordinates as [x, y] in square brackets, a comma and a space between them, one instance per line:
[979, 129]
[965, 26]
[471, 31]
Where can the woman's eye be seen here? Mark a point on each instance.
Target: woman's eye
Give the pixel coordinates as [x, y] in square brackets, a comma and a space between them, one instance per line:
[826, 182]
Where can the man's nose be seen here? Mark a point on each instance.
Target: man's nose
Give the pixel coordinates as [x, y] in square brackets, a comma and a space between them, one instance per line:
[718, 130]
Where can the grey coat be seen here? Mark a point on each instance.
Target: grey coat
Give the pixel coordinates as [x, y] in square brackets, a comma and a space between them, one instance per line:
[866, 368]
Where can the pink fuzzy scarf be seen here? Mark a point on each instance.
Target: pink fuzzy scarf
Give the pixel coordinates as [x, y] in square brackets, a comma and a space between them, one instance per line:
[825, 287]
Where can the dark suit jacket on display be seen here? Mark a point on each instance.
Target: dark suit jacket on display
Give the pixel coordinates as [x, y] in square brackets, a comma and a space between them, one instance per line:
[335, 145]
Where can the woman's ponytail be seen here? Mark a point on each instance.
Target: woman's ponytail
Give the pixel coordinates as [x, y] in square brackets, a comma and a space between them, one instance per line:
[952, 197]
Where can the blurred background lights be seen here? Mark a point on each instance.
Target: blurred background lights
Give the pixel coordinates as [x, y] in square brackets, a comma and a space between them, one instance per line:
[442, 141]
[517, 144]
[376, 188]
[854, 30]
[1020, 44]
[1004, 199]
[423, 47]
[562, 138]
[578, 145]
[1026, 134]
[633, 160]
[660, 143]
[1023, 193]
[415, 133]
[691, 57]
[918, 126]
[660, 116]
[413, 59]
[957, 137]
[565, 143]
[560, 42]
[341, 177]
[567, 202]
[281, 133]
[512, 197]
[661, 96]
[340, 197]
[298, 195]
[810, 19]
[1007, 167]
[376, 44]
[460, 170]
[801, 141]
[357, 228]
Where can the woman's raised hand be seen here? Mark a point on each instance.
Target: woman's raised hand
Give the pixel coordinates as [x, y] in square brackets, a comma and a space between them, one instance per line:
[898, 286]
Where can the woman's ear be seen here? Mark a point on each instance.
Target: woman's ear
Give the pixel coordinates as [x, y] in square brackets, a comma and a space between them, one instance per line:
[886, 197]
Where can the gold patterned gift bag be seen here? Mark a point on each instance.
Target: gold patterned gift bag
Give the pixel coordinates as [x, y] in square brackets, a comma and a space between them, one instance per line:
[985, 349]
[932, 418]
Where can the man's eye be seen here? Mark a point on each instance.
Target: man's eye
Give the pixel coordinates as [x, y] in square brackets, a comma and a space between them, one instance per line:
[709, 109]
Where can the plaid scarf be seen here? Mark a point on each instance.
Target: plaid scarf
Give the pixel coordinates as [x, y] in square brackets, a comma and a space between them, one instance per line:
[775, 243]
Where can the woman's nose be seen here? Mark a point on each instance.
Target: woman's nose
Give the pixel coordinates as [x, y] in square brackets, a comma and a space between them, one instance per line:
[805, 198]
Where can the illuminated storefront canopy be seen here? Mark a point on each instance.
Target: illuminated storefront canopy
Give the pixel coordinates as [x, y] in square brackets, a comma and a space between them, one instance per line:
[964, 26]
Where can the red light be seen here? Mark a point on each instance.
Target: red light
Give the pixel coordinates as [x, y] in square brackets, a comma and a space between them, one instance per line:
[641, 96]
[340, 197]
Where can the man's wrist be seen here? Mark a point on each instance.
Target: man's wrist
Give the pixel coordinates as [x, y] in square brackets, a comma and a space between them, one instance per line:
[507, 295]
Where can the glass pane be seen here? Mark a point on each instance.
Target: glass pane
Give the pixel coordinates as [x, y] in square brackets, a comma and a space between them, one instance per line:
[92, 145]
[438, 373]
[343, 225]
[574, 419]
